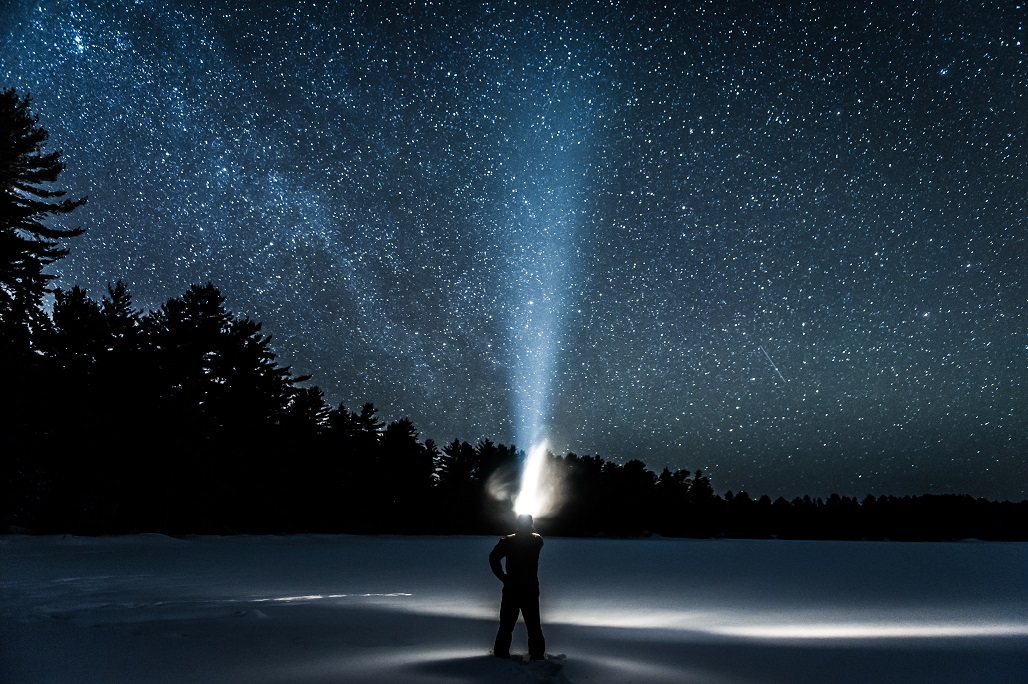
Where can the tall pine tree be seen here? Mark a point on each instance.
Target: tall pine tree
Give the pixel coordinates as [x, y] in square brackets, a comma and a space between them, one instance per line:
[28, 243]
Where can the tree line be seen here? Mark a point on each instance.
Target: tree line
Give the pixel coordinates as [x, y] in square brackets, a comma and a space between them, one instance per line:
[181, 420]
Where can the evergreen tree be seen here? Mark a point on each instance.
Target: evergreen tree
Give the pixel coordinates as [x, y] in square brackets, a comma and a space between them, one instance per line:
[123, 321]
[84, 457]
[306, 415]
[671, 503]
[458, 487]
[79, 331]
[219, 396]
[219, 370]
[701, 492]
[630, 489]
[355, 470]
[28, 244]
[407, 471]
[457, 467]
[585, 510]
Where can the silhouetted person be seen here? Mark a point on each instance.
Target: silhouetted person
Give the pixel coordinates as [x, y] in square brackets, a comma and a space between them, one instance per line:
[520, 587]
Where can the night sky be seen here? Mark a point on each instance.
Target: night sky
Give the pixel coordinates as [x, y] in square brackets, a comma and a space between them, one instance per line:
[782, 242]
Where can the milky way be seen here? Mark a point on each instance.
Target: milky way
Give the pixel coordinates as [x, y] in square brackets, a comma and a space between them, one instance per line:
[780, 242]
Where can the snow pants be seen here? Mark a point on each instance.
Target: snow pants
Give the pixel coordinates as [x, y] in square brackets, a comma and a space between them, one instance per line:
[523, 599]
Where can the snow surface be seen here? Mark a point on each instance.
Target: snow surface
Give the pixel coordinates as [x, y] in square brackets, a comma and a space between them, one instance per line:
[331, 609]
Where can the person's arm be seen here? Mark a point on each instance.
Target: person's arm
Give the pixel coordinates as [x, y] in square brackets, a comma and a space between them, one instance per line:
[495, 556]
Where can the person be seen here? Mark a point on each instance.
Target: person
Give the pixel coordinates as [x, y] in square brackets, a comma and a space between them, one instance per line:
[520, 577]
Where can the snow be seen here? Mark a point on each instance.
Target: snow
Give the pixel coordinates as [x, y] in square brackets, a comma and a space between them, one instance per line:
[320, 609]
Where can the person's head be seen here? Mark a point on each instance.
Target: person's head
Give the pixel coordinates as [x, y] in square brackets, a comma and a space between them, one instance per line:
[525, 523]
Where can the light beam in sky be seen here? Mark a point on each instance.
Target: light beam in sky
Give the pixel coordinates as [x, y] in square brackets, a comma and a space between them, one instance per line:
[773, 364]
[545, 212]
[532, 498]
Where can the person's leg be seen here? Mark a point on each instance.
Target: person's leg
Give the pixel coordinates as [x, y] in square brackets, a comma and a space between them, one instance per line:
[533, 622]
[508, 619]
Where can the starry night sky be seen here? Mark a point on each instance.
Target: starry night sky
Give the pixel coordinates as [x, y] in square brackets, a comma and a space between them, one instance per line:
[783, 242]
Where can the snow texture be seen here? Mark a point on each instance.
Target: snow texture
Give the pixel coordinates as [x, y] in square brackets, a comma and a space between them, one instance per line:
[331, 609]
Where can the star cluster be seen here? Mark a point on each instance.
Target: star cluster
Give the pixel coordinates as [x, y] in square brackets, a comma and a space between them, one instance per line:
[784, 242]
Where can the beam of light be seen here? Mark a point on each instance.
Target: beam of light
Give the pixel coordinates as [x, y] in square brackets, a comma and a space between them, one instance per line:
[319, 597]
[545, 213]
[773, 364]
[532, 499]
[546, 230]
[875, 630]
[839, 623]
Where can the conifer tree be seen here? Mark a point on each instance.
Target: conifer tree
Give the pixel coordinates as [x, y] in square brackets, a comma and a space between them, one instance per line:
[28, 243]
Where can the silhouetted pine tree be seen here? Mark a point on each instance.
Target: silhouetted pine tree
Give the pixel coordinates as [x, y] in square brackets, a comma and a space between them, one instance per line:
[458, 488]
[220, 396]
[356, 505]
[29, 242]
[583, 509]
[671, 502]
[629, 493]
[407, 471]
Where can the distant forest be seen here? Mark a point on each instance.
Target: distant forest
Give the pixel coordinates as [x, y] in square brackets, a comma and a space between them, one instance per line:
[181, 421]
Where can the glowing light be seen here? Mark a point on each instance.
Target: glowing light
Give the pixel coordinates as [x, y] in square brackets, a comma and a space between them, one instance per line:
[875, 630]
[533, 498]
[833, 623]
[319, 597]
[548, 170]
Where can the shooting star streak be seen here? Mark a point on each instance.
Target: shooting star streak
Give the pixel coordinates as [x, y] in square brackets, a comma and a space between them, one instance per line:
[773, 364]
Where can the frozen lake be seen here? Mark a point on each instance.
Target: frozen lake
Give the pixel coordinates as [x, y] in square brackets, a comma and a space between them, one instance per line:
[321, 609]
